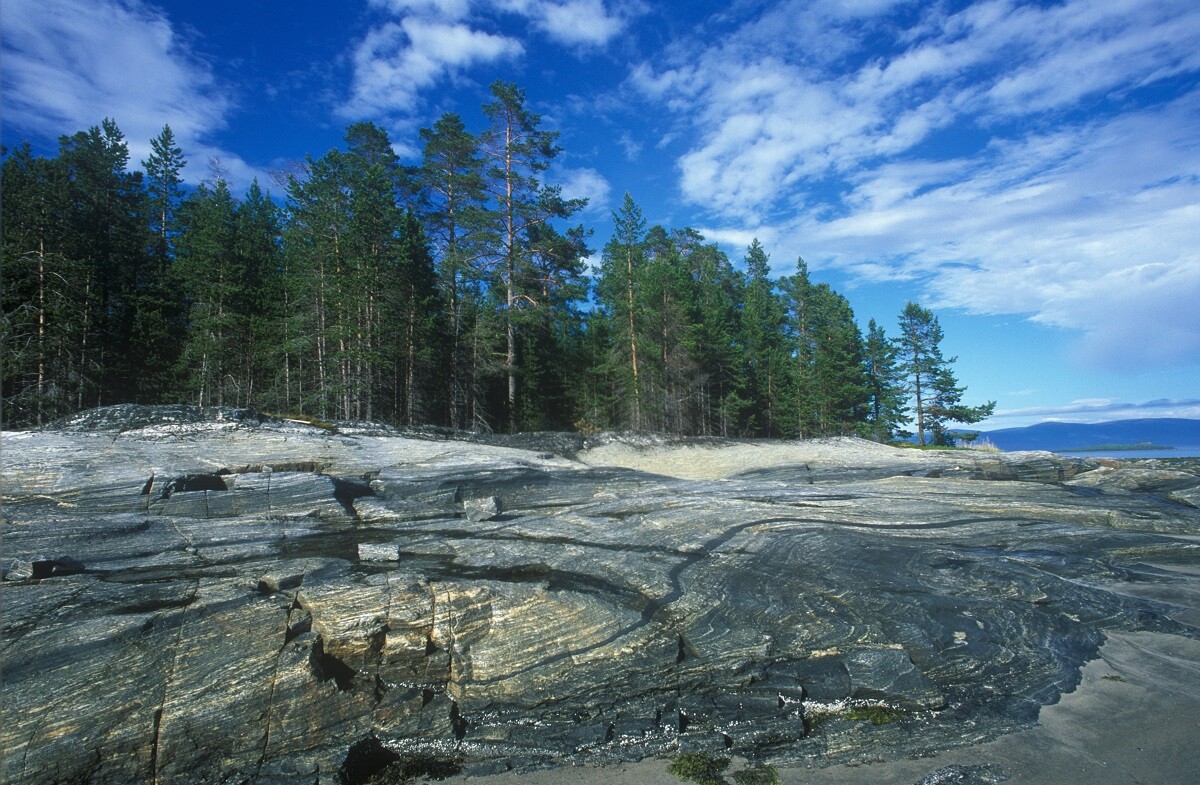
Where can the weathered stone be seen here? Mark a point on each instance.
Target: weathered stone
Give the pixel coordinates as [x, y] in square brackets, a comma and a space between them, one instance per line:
[801, 601]
[889, 675]
[378, 551]
[18, 570]
[482, 509]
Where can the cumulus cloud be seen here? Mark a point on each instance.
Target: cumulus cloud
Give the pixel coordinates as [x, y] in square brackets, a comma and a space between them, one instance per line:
[68, 64]
[1074, 201]
[397, 60]
[576, 22]
[422, 43]
[583, 183]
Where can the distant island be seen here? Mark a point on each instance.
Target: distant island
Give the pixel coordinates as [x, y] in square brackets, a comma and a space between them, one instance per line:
[1144, 434]
[1118, 447]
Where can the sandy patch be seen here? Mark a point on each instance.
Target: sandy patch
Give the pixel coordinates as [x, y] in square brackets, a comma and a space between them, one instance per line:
[701, 461]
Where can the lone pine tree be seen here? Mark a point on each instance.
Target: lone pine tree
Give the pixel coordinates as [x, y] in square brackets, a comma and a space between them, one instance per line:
[935, 391]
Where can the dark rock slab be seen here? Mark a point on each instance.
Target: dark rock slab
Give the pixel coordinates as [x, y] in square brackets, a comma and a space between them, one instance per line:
[215, 596]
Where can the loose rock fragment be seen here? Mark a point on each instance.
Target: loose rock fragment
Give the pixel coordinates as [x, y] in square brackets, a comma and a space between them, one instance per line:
[372, 551]
[18, 570]
[483, 509]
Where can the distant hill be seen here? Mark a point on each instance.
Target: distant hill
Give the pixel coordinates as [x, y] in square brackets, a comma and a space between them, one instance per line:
[1170, 431]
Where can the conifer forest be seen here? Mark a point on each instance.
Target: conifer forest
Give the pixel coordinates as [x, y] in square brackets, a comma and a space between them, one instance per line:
[454, 293]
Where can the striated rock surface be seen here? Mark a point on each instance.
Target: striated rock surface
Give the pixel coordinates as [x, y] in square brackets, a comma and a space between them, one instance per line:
[217, 596]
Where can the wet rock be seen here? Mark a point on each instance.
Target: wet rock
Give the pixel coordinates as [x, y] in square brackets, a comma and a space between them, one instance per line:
[984, 774]
[176, 612]
[889, 675]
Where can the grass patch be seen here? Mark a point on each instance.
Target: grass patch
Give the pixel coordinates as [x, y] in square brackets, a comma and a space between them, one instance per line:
[759, 775]
[876, 714]
[704, 769]
[698, 767]
[1115, 677]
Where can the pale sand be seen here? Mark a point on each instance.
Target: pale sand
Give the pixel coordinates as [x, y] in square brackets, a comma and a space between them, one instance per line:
[701, 461]
[1140, 725]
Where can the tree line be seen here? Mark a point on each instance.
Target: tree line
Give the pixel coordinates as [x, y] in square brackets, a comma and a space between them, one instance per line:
[453, 292]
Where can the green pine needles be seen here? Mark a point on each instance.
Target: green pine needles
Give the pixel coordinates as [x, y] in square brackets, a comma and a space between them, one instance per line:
[455, 292]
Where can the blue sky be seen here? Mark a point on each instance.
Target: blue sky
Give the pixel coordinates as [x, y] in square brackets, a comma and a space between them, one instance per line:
[1028, 170]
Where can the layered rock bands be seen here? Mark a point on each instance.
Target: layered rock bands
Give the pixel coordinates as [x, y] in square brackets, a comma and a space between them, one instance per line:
[216, 596]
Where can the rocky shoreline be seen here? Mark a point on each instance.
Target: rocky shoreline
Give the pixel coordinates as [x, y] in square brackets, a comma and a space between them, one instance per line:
[218, 596]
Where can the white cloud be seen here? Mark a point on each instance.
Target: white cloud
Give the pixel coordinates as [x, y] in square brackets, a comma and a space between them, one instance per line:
[631, 146]
[583, 183]
[68, 64]
[447, 9]
[398, 60]
[426, 42]
[1094, 410]
[576, 22]
[736, 241]
[1087, 224]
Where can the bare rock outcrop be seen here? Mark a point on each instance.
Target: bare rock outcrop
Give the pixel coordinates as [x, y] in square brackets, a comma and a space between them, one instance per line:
[217, 596]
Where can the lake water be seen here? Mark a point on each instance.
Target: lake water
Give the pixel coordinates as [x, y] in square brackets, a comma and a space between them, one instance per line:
[1182, 452]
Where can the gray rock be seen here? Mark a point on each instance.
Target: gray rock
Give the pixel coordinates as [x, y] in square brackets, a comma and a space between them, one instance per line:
[889, 675]
[483, 509]
[18, 570]
[378, 551]
[834, 600]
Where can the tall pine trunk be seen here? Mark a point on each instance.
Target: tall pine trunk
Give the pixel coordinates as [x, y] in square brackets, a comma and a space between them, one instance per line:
[637, 391]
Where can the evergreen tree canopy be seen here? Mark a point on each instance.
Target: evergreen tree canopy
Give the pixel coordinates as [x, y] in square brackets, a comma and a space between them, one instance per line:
[453, 292]
[932, 385]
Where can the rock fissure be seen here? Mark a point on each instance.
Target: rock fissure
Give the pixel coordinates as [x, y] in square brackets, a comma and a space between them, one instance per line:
[155, 752]
[613, 612]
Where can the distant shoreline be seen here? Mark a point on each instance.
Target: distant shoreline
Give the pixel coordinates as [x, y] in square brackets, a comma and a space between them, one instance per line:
[1139, 446]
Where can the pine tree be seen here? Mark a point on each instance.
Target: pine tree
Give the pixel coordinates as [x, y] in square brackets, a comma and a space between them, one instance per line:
[762, 337]
[262, 302]
[800, 325]
[945, 406]
[416, 316]
[211, 275]
[314, 246]
[107, 235]
[717, 352]
[617, 292]
[885, 381]
[452, 184]
[932, 385]
[40, 320]
[552, 336]
[164, 184]
[159, 310]
[518, 153]
[373, 179]
[840, 388]
[670, 371]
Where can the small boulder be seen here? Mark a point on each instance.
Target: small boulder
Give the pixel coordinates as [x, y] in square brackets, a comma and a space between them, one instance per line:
[378, 551]
[483, 509]
[18, 570]
[280, 580]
